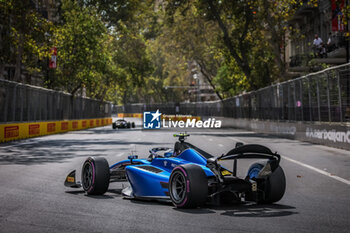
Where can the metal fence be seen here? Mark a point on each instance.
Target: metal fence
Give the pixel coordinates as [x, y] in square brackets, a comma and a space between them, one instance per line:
[21, 103]
[321, 96]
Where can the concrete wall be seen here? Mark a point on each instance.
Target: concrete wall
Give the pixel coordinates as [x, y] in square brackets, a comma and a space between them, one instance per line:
[328, 134]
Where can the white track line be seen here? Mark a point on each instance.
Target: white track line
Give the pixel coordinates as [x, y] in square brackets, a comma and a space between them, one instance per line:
[345, 181]
[318, 170]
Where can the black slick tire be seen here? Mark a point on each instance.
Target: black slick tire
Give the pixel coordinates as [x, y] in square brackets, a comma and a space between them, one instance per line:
[274, 184]
[193, 182]
[95, 176]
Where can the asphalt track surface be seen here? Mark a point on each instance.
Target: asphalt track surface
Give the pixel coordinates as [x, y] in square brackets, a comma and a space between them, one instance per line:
[33, 198]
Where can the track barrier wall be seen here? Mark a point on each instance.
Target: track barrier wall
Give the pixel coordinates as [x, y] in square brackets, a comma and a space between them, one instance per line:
[318, 97]
[328, 134]
[313, 108]
[25, 103]
[15, 131]
[166, 117]
[30, 111]
[134, 115]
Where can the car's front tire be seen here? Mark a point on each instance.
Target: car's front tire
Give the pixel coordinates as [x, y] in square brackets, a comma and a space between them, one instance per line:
[188, 186]
[95, 175]
[114, 125]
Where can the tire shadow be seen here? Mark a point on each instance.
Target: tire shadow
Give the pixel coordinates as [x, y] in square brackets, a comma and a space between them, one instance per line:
[245, 210]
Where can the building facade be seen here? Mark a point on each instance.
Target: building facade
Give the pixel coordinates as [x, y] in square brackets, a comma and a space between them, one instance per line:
[327, 21]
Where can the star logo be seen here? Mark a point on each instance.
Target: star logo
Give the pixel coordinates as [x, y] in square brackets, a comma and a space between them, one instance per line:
[151, 120]
[155, 115]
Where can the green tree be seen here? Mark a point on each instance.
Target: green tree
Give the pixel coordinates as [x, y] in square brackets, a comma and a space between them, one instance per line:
[78, 46]
[251, 36]
[170, 70]
[187, 34]
[24, 37]
[129, 23]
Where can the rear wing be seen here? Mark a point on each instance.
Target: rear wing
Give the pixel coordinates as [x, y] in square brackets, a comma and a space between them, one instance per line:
[251, 151]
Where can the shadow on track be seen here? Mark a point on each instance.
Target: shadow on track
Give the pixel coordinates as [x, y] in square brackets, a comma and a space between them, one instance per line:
[111, 194]
[109, 131]
[245, 209]
[34, 151]
[234, 210]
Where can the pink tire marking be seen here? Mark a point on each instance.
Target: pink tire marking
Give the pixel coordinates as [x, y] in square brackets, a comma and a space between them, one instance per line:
[188, 186]
[183, 203]
[183, 171]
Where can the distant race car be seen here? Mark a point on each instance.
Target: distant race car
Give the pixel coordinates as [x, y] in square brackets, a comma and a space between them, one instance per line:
[121, 123]
[188, 176]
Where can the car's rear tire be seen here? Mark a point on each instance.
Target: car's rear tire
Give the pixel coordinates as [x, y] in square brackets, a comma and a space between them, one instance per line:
[128, 125]
[95, 175]
[188, 186]
[274, 184]
[114, 125]
[133, 124]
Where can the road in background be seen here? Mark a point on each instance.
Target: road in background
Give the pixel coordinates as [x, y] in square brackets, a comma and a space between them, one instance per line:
[33, 198]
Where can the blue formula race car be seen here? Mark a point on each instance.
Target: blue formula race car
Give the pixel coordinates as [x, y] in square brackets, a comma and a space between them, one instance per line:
[188, 176]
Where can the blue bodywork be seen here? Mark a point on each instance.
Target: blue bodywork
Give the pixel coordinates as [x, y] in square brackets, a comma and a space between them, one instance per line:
[199, 172]
[149, 178]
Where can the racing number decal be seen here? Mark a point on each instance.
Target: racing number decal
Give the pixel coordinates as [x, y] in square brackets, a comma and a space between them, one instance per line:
[254, 187]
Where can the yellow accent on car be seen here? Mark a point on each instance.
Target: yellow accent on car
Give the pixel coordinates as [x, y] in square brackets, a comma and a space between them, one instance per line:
[70, 179]
[225, 173]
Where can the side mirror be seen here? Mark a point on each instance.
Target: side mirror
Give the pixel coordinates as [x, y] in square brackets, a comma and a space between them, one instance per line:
[212, 164]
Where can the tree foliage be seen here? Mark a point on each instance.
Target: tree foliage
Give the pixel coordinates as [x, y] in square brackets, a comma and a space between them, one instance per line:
[133, 50]
[24, 36]
[251, 36]
[82, 49]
